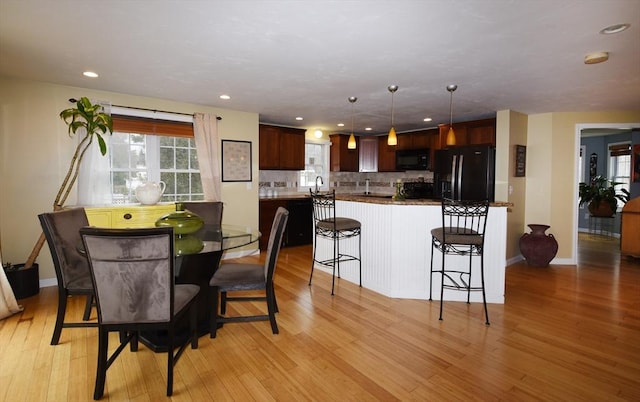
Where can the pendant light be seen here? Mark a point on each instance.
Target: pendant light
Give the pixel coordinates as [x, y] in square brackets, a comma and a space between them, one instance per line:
[451, 135]
[392, 139]
[352, 139]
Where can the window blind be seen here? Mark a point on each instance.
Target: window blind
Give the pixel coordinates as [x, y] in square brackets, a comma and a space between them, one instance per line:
[620, 149]
[143, 125]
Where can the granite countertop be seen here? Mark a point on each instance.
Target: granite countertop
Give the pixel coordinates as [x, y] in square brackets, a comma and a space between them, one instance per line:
[386, 199]
[373, 198]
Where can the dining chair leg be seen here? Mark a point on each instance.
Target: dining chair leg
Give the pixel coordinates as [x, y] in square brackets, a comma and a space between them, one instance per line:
[213, 323]
[101, 371]
[223, 303]
[62, 308]
[87, 308]
[271, 307]
[193, 322]
[170, 355]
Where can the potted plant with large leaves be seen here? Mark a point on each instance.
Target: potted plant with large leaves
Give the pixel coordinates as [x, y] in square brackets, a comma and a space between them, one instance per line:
[601, 196]
[87, 118]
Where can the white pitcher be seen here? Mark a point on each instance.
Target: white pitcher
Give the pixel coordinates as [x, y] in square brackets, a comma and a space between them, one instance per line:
[150, 192]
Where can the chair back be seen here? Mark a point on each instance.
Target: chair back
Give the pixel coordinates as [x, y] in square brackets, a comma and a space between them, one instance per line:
[61, 229]
[275, 242]
[209, 211]
[132, 273]
[464, 221]
[324, 212]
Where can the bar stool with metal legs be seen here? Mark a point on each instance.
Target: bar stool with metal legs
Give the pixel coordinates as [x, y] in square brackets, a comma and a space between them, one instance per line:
[462, 234]
[328, 226]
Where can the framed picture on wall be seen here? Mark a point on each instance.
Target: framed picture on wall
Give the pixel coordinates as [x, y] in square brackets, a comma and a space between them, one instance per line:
[236, 160]
[521, 161]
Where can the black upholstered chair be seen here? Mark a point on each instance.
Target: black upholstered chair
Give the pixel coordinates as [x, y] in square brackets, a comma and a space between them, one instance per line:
[133, 274]
[234, 277]
[61, 229]
[462, 233]
[327, 225]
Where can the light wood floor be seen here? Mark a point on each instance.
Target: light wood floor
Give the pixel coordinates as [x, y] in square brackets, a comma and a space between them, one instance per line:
[564, 334]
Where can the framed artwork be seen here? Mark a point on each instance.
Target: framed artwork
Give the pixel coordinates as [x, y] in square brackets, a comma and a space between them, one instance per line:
[635, 163]
[521, 160]
[236, 160]
[593, 166]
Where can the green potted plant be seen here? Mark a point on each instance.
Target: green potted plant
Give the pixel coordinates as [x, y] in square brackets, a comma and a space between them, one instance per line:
[93, 122]
[601, 196]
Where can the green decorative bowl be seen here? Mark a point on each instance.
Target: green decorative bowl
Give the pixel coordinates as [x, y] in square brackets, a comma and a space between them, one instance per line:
[183, 221]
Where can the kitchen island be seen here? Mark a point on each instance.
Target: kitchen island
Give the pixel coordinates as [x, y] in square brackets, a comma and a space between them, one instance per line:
[396, 248]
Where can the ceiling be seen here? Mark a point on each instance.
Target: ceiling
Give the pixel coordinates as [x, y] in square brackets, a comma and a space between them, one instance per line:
[284, 59]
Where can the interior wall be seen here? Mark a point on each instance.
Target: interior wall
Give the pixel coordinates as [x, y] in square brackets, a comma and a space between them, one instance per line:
[35, 152]
[515, 125]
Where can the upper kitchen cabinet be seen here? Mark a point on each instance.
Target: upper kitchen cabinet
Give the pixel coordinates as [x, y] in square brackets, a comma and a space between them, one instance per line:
[342, 158]
[477, 132]
[281, 148]
[416, 140]
[386, 155]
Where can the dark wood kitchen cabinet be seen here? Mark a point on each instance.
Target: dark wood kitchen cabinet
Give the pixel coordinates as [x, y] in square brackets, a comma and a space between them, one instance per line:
[386, 155]
[299, 228]
[281, 148]
[343, 159]
[416, 140]
[476, 132]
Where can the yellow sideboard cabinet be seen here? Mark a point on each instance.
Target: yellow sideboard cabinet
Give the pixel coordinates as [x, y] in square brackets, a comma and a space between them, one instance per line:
[128, 216]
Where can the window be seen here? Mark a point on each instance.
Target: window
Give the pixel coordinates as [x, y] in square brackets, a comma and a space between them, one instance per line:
[144, 149]
[316, 163]
[138, 158]
[620, 165]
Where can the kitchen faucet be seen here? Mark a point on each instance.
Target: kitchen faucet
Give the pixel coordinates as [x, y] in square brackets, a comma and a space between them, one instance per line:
[321, 183]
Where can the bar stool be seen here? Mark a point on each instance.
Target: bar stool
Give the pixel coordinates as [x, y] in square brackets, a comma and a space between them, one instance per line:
[328, 226]
[462, 233]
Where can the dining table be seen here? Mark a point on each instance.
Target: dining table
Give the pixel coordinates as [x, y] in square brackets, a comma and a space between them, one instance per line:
[198, 257]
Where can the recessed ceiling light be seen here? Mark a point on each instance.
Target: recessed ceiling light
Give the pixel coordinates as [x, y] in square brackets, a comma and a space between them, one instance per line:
[612, 29]
[596, 57]
[427, 119]
[225, 97]
[340, 124]
[299, 118]
[368, 129]
[90, 74]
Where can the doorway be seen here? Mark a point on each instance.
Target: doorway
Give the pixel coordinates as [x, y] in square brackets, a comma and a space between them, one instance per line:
[607, 230]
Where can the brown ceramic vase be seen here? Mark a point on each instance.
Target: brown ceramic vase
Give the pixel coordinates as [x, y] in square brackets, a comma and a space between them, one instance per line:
[537, 247]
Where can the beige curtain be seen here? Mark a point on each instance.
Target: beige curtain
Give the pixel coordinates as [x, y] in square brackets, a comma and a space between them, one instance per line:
[8, 303]
[205, 131]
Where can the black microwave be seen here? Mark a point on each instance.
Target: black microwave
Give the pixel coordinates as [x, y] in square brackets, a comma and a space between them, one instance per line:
[412, 159]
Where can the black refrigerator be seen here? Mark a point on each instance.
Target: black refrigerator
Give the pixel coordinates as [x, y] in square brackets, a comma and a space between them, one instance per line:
[465, 173]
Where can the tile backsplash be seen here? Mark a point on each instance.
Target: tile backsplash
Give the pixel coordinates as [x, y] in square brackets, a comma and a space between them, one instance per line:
[286, 181]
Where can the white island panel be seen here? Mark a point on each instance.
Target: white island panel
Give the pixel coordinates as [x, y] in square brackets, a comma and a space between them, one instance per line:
[396, 251]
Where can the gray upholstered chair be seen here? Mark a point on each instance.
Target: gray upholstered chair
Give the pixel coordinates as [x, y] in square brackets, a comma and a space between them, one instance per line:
[209, 211]
[335, 228]
[242, 277]
[61, 229]
[462, 233]
[133, 276]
